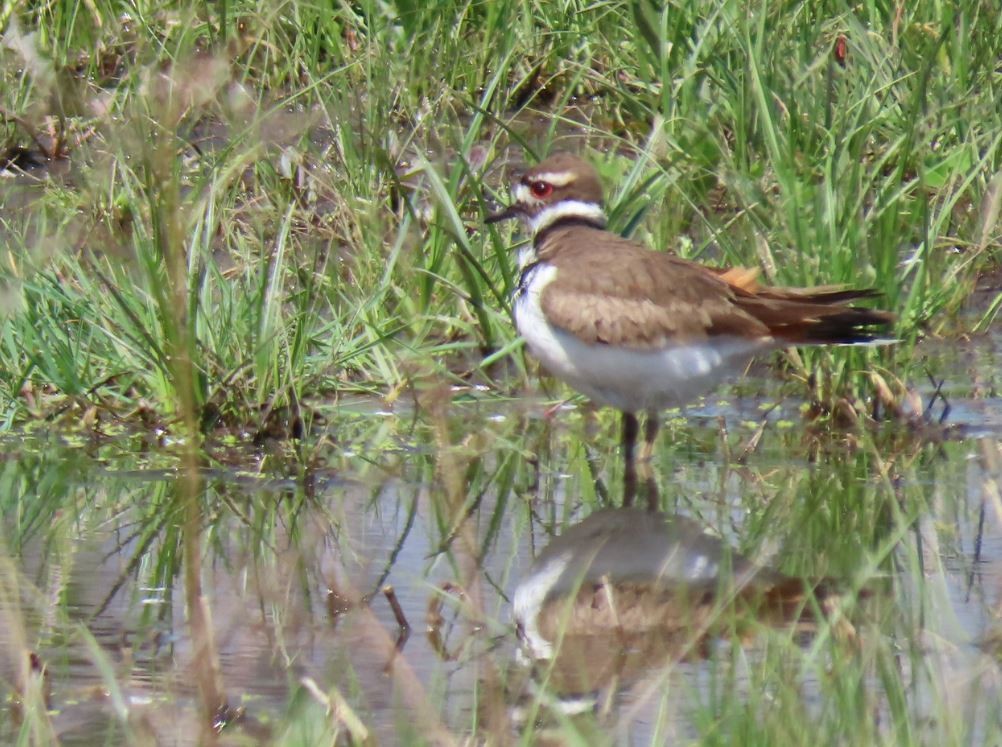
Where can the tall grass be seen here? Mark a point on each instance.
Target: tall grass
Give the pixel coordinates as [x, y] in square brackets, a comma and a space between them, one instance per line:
[325, 172]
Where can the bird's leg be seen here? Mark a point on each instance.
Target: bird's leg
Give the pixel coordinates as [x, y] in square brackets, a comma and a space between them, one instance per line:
[651, 488]
[629, 442]
[651, 427]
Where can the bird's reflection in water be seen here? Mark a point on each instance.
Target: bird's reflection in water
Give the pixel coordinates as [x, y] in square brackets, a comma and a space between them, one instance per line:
[627, 591]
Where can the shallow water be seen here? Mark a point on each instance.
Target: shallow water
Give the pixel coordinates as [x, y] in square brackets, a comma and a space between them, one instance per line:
[462, 496]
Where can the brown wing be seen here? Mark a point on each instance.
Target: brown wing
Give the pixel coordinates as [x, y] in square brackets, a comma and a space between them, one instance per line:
[615, 291]
[625, 294]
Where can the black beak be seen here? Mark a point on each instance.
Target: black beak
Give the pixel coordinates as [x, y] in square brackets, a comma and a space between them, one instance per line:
[512, 211]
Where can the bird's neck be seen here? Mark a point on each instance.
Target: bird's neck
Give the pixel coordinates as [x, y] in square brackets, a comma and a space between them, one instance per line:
[572, 211]
[563, 214]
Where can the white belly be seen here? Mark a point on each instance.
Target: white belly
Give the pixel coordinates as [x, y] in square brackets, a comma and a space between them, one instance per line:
[630, 379]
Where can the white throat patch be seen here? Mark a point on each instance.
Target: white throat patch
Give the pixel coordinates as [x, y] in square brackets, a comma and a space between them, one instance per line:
[549, 215]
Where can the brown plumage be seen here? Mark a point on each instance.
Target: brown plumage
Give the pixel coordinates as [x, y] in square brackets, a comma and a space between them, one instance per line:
[622, 293]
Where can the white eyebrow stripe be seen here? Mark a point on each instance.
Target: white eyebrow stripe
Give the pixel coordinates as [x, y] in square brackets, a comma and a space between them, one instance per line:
[556, 178]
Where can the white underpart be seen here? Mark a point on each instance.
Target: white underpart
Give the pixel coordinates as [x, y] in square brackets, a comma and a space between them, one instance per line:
[526, 256]
[528, 602]
[628, 379]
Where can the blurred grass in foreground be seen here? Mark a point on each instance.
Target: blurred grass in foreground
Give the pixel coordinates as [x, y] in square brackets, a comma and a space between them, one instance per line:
[92, 575]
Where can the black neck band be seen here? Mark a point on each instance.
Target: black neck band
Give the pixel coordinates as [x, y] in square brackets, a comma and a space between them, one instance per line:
[566, 222]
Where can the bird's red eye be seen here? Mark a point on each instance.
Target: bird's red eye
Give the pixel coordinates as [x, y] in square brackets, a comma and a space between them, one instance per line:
[541, 189]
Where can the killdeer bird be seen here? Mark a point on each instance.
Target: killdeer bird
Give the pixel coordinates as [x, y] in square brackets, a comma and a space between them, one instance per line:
[626, 569]
[642, 330]
[627, 589]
